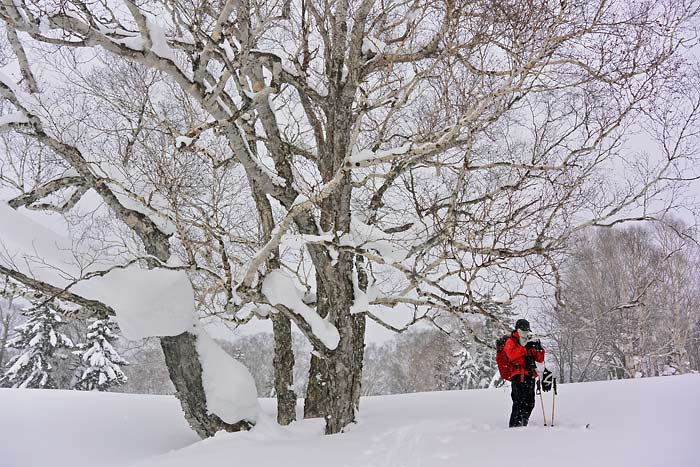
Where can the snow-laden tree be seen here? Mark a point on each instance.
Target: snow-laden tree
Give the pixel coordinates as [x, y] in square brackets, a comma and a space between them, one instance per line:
[100, 363]
[39, 341]
[330, 162]
[474, 346]
[474, 368]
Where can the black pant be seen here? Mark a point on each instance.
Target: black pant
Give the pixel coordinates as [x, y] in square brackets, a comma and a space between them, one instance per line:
[523, 395]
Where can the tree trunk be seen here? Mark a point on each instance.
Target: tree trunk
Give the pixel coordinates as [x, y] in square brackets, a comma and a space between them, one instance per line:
[3, 342]
[314, 400]
[182, 360]
[335, 380]
[184, 367]
[6, 323]
[283, 362]
[335, 377]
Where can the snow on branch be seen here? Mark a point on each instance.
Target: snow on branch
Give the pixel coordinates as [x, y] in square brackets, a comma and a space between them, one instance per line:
[89, 307]
[228, 385]
[361, 237]
[13, 120]
[147, 302]
[17, 47]
[136, 203]
[24, 102]
[300, 205]
[160, 55]
[130, 213]
[279, 289]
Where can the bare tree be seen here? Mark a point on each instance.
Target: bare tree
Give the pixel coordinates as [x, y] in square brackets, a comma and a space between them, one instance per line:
[416, 361]
[628, 305]
[432, 156]
[146, 373]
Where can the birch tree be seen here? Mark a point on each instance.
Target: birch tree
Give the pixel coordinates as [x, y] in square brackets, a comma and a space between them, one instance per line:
[9, 315]
[430, 156]
[624, 312]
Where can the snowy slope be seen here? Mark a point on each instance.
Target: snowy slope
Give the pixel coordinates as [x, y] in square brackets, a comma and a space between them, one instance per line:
[640, 423]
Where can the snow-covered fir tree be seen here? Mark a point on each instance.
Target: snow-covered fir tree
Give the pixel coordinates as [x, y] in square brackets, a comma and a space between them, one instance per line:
[475, 359]
[38, 340]
[474, 367]
[99, 360]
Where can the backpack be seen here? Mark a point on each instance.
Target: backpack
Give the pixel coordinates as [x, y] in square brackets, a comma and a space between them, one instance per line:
[504, 366]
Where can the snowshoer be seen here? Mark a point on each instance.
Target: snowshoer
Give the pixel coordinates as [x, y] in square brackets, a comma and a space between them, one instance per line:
[522, 352]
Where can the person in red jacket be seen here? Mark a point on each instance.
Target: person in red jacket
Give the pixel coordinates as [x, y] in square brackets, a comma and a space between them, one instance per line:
[522, 353]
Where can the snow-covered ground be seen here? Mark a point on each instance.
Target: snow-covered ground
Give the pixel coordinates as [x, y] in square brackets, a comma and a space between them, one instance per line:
[640, 423]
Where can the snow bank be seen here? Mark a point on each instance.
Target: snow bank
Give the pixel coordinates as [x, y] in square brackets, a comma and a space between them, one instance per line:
[279, 289]
[635, 423]
[41, 427]
[650, 423]
[229, 386]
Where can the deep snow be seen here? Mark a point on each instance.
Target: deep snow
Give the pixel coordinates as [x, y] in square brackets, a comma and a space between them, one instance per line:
[641, 423]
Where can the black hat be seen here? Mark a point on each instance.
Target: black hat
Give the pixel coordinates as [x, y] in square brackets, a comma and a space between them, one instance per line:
[522, 324]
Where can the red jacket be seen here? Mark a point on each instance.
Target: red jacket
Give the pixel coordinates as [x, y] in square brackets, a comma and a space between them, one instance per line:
[516, 354]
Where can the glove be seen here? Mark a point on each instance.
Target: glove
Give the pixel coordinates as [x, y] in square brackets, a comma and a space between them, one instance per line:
[547, 378]
[530, 362]
[534, 345]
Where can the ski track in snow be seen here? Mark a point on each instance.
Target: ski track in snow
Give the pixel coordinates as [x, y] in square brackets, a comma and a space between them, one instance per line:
[641, 423]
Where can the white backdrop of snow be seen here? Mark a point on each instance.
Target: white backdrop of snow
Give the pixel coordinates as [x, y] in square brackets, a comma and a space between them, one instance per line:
[635, 423]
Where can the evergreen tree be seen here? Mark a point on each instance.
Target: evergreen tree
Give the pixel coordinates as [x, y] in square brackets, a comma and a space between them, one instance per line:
[474, 368]
[475, 360]
[37, 340]
[99, 360]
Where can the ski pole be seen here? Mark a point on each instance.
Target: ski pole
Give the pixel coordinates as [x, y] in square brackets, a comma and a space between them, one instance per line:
[539, 391]
[554, 396]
